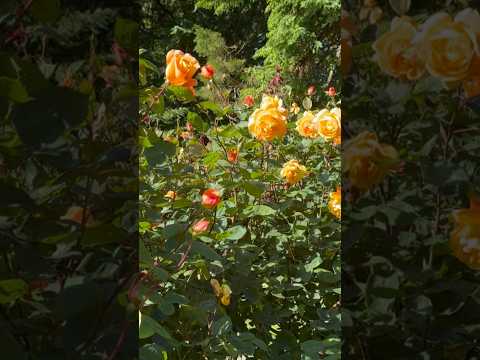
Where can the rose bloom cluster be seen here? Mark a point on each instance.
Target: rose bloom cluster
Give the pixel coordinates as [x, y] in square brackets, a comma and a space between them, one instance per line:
[445, 47]
[326, 124]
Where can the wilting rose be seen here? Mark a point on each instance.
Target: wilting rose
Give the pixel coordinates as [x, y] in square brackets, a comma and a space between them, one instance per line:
[232, 155]
[329, 124]
[465, 237]
[181, 69]
[77, 213]
[295, 109]
[269, 121]
[396, 53]
[366, 161]
[306, 126]
[210, 198]
[293, 171]
[200, 226]
[448, 45]
[335, 203]
[248, 100]
[208, 71]
[222, 292]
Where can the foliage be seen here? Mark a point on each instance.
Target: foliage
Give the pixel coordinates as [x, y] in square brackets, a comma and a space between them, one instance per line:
[405, 295]
[68, 185]
[258, 275]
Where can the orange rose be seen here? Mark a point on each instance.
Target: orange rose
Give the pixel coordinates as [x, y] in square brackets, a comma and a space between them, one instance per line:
[465, 237]
[248, 100]
[269, 121]
[306, 126]
[396, 53]
[367, 161]
[293, 172]
[210, 198]
[335, 203]
[448, 45]
[232, 155]
[181, 69]
[200, 226]
[329, 124]
[172, 195]
[76, 214]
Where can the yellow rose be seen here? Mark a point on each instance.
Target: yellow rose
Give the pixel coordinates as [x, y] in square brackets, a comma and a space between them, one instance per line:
[366, 161]
[448, 45]
[396, 53]
[181, 69]
[465, 237]
[269, 121]
[306, 126]
[329, 124]
[293, 172]
[222, 292]
[335, 203]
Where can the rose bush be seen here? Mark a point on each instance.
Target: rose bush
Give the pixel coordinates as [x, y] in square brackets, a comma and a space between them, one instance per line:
[239, 222]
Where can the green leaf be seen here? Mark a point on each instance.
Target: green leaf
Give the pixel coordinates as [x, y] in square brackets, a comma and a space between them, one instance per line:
[205, 251]
[254, 188]
[181, 93]
[12, 290]
[159, 152]
[216, 109]
[196, 121]
[11, 349]
[149, 327]
[258, 210]
[235, 233]
[13, 90]
[222, 326]
[210, 160]
[159, 106]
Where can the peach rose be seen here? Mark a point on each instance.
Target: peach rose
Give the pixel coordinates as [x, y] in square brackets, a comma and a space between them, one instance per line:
[200, 226]
[366, 161]
[329, 124]
[293, 172]
[396, 53]
[465, 237]
[208, 71]
[295, 109]
[210, 198]
[181, 69]
[335, 203]
[172, 195]
[306, 126]
[448, 45]
[269, 121]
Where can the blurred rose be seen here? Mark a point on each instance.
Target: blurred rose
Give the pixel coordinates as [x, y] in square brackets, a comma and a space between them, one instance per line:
[465, 237]
[311, 90]
[269, 121]
[293, 172]
[395, 52]
[448, 45]
[329, 124]
[232, 155]
[248, 100]
[200, 226]
[335, 203]
[295, 109]
[210, 198]
[366, 161]
[76, 214]
[181, 69]
[221, 292]
[189, 127]
[172, 195]
[331, 91]
[208, 71]
[306, 126]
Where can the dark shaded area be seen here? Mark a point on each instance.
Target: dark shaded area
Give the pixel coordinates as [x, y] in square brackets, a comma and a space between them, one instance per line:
[69, 186]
